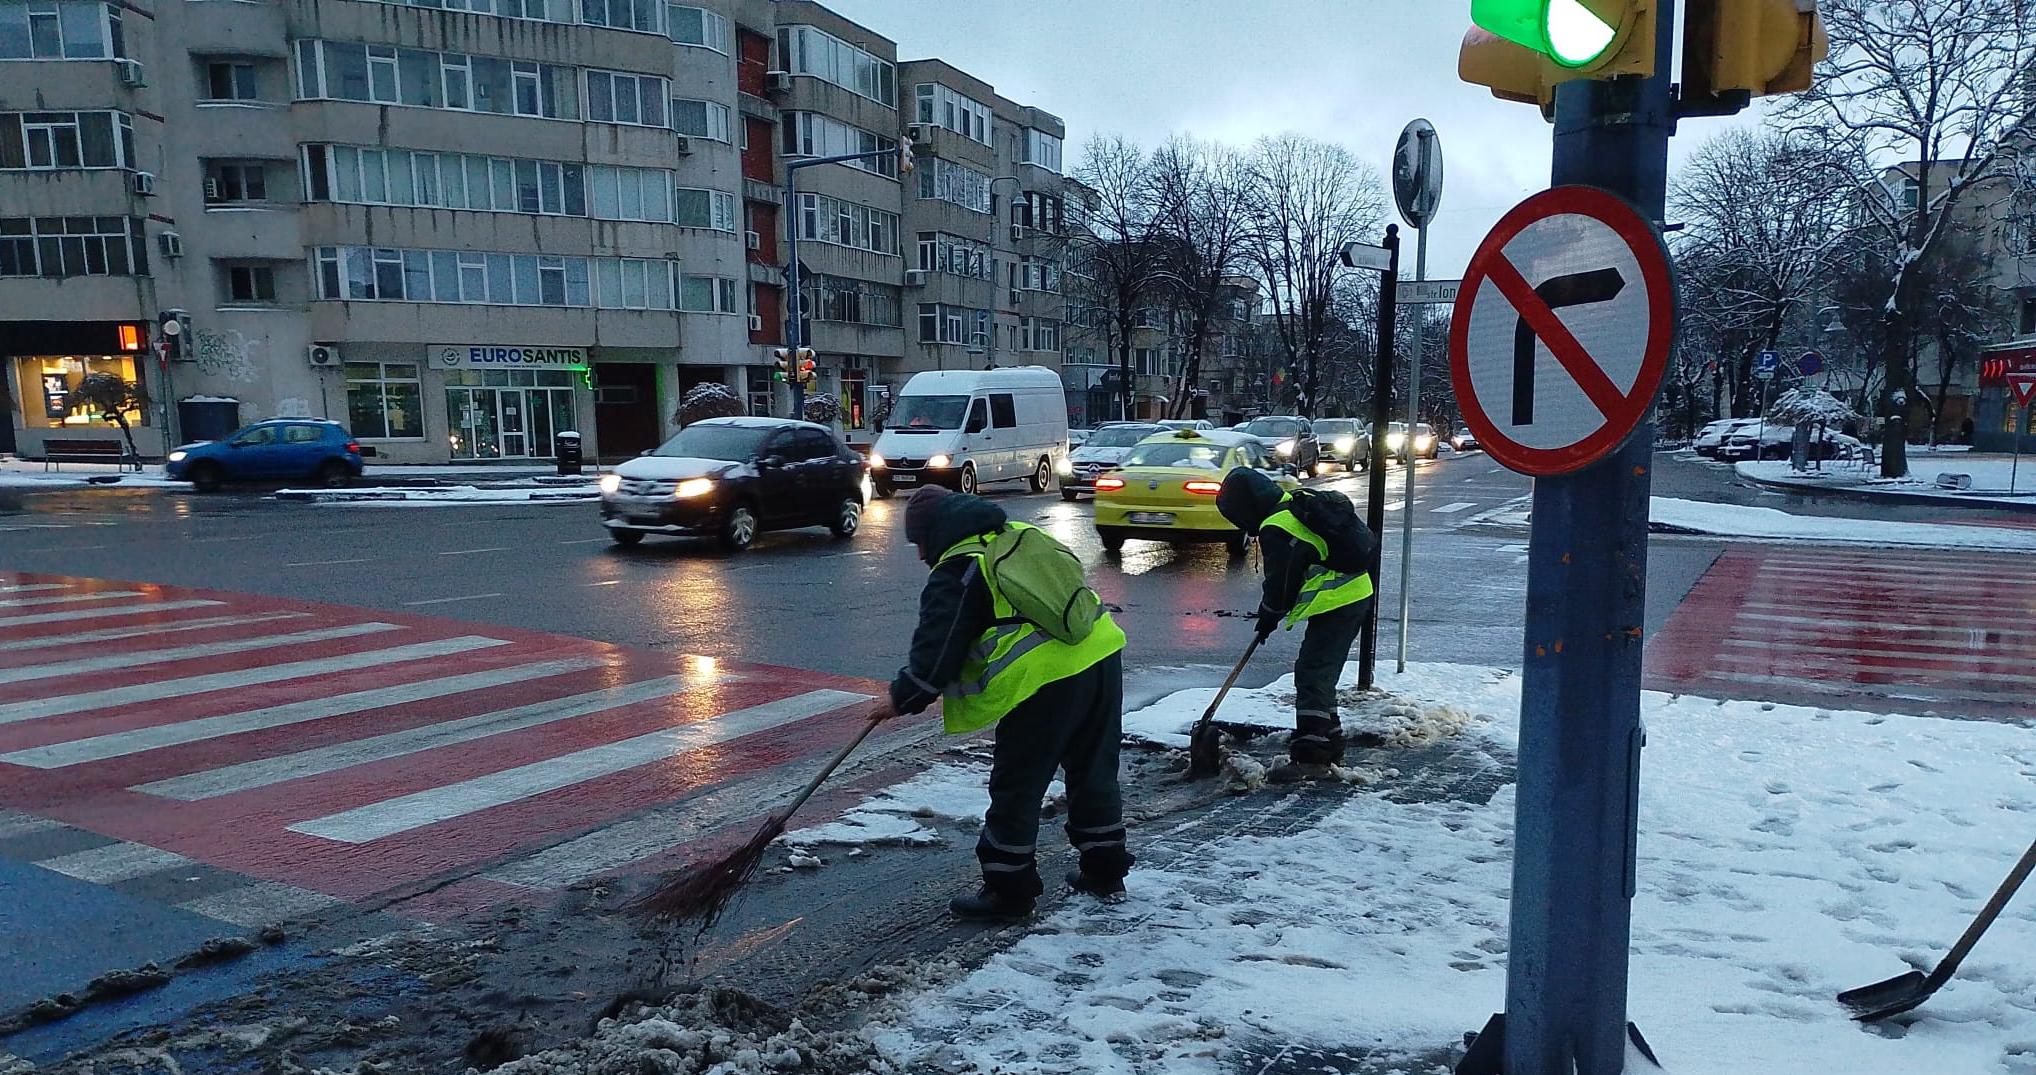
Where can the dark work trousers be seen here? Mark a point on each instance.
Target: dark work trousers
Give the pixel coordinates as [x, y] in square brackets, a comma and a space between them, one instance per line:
[1073, 725]
[1325, 649]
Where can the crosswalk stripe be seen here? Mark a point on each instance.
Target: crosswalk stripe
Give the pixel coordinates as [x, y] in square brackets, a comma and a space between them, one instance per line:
[261, 904]
[104, 613]
[262, 772]
[139, 740]
[1941, 627]
[114, 862]
[115, 634]
[389, 817]
[35, 709]
[1896, 669]
[1450, 509]
[15, 823]
[33, 586]
[67, 599]
[108, 661]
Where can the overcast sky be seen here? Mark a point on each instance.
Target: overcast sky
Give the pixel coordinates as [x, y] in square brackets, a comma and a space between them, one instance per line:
[1350, 71]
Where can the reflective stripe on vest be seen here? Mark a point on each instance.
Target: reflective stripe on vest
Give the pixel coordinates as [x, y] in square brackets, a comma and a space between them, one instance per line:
[1325, 590]
[1013, 659]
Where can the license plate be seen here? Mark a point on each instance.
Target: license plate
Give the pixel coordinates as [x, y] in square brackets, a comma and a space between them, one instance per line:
[904, 479]
[1151, 518]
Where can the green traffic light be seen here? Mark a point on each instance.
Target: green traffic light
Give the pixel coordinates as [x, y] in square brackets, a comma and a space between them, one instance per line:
[1566, 31]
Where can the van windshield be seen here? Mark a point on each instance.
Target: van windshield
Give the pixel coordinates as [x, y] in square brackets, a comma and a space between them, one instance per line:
[928, 412]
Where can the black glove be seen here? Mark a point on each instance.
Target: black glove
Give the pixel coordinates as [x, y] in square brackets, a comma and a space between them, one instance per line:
[1268, 622]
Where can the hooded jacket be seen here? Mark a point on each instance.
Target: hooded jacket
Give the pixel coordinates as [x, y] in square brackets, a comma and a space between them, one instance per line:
[955, 607]
[1248, 499]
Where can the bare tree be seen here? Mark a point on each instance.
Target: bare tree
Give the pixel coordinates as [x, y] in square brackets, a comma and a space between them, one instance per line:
[1203, 202]
[1116, 257]
[1309, 197]
[1937, 90]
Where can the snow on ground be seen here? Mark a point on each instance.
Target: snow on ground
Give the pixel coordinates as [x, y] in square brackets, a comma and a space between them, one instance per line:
[944, 792]
[1992, 476]
[1786, 854]
[452, 494]
[1734, 520]
[34, 476]
[1430, 702]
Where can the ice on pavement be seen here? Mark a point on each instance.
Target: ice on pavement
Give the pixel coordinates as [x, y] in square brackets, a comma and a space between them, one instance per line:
[898, 814]
[1786, 853]
[1734, 520]
[1431, 702]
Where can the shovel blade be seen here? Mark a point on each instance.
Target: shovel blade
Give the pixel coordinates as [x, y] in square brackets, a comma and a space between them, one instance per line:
[1205, 751]
[1892, 997]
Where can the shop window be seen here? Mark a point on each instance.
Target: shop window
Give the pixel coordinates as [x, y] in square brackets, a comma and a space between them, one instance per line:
[48, 382]
[384, 400]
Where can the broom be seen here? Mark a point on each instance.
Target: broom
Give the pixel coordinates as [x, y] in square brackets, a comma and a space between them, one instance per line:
[703, 891]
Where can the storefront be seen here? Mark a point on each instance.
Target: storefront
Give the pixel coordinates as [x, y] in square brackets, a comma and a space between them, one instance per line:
[47, 362]
[500, 402]
[2000, 418]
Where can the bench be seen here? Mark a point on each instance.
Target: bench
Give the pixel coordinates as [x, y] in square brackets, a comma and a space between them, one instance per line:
[55, 453]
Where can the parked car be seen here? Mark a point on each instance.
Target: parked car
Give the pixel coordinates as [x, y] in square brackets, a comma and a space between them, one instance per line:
[1344, 440]
[1166, 490]
[1101, 454]
[732, 479]
[1712, 437]
[1186, 423]
[1287, 439]
[1779, 441]
[1463, 440]
[1077, 437]
[1423, 446]
[968, 428]
[279, 449]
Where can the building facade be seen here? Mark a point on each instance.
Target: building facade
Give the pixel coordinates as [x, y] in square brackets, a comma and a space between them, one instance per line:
[460, 226]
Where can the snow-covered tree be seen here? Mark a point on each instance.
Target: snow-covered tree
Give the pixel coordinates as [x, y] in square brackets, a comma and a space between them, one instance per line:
[1812, 405]
[709, 399]
[822, 408]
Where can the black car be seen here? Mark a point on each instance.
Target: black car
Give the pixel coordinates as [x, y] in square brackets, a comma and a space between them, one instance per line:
[1289, 440]
[733, 478]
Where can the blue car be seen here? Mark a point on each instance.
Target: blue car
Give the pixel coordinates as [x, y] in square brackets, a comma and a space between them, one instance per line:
[280, 449]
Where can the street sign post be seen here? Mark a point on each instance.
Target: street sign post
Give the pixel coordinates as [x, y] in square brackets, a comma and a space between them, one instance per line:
[1429, 292]
[1359, 256]
[1810, 364]
[1562, 331]
[1417, 188]
[2022, 386]
[1766, 366]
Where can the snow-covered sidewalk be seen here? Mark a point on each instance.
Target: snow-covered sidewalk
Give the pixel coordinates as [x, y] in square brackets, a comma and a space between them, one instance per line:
[1993, 477]
[528, 492]
[1736, 520]
[33, 476]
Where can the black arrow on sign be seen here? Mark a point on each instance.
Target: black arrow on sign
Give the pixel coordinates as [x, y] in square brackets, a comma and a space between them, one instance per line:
[1576, 289]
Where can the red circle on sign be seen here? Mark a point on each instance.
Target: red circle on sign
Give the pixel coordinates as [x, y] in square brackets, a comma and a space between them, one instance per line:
[1626, 222]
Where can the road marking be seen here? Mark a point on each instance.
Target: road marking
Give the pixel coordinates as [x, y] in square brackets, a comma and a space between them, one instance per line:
[470, 552]
[449, 600]
[608, 582]
[377, 820]
[111, 661]
[262, 772]
[326, 563]
[121, 744]
[66, 599]
[102, 613]
[15, 823]
[261, 904]
[1451, 509]
[114, 634]
[34, 586]
[121, 861]
[583, 541]
[1818, 623]
[161, 690]
[1515, 547]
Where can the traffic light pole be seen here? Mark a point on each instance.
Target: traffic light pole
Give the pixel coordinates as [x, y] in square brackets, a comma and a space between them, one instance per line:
[1575, 837]
[794, 313]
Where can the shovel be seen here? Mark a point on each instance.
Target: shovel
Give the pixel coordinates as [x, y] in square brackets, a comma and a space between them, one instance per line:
[1205, 743]
[1906, 991]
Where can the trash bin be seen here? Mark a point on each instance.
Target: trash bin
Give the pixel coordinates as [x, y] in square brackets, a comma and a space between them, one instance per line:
[565, 448]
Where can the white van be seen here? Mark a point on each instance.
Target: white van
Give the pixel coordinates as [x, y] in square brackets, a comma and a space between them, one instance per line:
[968, 428]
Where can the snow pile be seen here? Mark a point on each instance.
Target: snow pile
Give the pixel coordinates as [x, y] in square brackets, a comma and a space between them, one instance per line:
[944, 792]
[1993, 476]
[449, 494]
[712, 1032]
[1786, 853]
[1432, 702]
[1733, 520]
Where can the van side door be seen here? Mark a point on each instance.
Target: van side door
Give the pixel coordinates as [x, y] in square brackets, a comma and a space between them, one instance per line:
[1008, 443]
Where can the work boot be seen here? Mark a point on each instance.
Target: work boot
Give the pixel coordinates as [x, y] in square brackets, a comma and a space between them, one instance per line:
[990, 905]
[1295, 771]
[1109, 890]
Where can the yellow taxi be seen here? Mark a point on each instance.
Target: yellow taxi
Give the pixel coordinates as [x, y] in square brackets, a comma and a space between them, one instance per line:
[1166, 488]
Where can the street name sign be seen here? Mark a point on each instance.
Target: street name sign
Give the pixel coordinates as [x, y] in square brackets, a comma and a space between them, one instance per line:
[1367, 256]
[1562, 330]
[1427, 292]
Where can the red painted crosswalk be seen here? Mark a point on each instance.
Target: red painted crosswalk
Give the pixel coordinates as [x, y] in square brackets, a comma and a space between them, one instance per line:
[337, 753]
[1944, 633]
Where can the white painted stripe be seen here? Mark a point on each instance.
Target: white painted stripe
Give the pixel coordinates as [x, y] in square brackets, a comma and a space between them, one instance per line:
[115, 862]
[37, 708]
[1797, 644]
[1842, 690]
[67, 599]
[1516, 547]
[1451, 509]
[114, 634]
[401, 814]
[1822, 625]
[28, 587]
[262, 772]
[470, 552]
[261, 904]
[449, 600]
[103, 613]
[15, 823]
[326, 563]
[28, 672]
[1847, 671]
[121, 744]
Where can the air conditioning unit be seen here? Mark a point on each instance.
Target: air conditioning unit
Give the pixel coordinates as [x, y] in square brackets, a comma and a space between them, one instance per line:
[145, 184]
[756, 322]
[131, 72]
[212, 190]
[752, 240]
[171, 243]
[683, 146]
[915, 277]
[1018, 232]
[778, 81]
[322, 354]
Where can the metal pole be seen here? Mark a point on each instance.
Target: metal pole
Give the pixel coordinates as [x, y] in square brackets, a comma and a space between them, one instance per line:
[2021, 422]
[793, 312]
[990, 346]
[1382, 416]
[1413, 420]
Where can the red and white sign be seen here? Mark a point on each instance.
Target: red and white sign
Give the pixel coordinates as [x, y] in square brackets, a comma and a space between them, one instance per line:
[1562, 330]
[2023, 385]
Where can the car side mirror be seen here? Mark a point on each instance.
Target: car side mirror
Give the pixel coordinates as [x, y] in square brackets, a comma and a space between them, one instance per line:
[772, 460]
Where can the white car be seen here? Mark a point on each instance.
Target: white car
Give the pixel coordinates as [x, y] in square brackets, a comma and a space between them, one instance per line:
[1712, 437]
[1101, 454]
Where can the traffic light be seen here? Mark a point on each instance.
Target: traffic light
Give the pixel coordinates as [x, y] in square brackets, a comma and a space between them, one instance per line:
[808, 370]
[1757, 47]
[1521, 49]
[784, 357]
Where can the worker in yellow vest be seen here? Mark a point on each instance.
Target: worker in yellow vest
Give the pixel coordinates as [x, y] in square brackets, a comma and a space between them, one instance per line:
[1301, 586]
[1055, 704]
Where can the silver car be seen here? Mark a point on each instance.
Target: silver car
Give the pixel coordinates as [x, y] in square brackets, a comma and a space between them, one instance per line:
[1101, 453]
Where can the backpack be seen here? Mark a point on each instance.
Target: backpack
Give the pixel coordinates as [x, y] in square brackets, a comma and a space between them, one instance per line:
[1334, 519]
[1043, 582]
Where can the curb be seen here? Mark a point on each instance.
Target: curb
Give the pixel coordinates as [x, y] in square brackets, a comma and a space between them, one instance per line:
[1931, 499]
[342, 496]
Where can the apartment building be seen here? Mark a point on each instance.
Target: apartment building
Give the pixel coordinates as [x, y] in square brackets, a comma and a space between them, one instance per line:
[459, 226]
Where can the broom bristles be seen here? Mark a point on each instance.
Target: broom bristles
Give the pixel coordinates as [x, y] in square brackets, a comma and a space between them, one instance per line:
[702, 892]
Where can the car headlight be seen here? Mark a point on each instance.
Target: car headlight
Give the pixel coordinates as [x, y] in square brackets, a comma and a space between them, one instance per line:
[877, 461]
[177, 456]
[939, 462]
[1395, 440]
[1286, 447]
[1346, 444]
[1064, 468]
[693, 487]
[611, 483]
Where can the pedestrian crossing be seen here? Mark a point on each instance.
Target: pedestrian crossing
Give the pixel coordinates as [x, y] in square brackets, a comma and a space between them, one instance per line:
[1947, 634]
[319, 754]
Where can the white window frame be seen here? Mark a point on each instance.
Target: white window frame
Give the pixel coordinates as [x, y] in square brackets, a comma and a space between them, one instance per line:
[713, 27]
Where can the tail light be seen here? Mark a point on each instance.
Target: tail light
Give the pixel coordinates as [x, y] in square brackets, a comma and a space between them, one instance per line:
[1204, 488]
[353, 447]
[1104, 485]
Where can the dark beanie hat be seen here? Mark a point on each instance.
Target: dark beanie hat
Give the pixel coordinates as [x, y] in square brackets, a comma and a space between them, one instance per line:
[919, 512]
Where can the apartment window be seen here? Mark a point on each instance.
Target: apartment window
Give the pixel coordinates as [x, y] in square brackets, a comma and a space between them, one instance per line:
[707, 295]
[1038, 334]
[843, 223]
[236, 181]
[1035, 209]
[960, 113]
[540, 10]
[251, 283]
[613, 97]
[1042, 149]
[939, 323]
[808, 50]
[858, 302]
[957, 256]
[72, 246]
[706, 209]
[701, 119]
[391, 275]
[2028, 317]
[1035, 274]
[644, 15]
[379, 176]
[231, 80]
[620, 193]
[384, 401]
[950, 182]
[50, 140]
[810, 134]
[385, 75]
[59, 30]
[697, 26]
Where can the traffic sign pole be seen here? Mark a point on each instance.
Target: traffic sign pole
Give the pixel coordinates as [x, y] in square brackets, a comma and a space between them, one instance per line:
[1382, 417]
[1417, 188]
